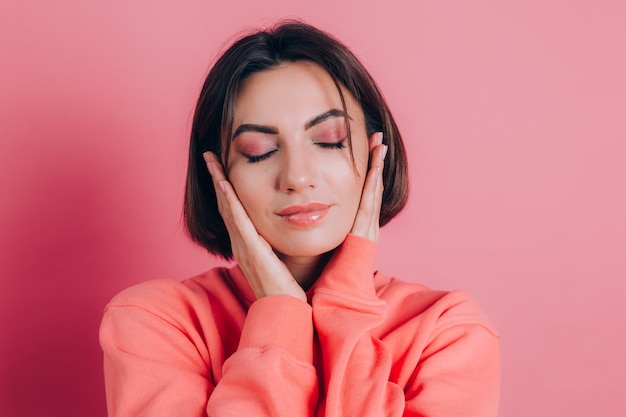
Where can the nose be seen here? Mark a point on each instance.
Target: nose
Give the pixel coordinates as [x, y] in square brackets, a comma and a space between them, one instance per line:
[298, 170]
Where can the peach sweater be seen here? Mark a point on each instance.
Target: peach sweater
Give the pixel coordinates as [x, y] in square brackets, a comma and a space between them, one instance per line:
[364, 345]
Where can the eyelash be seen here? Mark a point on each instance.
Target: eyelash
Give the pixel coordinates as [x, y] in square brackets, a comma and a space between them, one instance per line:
[253, 159]
[258, 158]
[334, 145]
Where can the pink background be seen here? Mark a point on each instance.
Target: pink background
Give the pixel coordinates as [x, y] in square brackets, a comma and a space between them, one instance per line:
[514, 119]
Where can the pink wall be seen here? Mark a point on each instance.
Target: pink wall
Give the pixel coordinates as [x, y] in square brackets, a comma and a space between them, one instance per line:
[514, 117]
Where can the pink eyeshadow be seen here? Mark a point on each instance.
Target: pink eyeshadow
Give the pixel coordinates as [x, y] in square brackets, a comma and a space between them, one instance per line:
[253, 145]
[332, 135]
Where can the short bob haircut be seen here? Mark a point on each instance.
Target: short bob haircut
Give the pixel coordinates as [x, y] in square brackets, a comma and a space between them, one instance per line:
[289, 41]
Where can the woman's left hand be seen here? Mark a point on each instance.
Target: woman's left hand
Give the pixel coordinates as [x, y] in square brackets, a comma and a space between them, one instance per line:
[366, 223]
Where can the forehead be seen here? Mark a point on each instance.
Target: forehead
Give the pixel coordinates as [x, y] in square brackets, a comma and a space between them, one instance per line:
[294, 92]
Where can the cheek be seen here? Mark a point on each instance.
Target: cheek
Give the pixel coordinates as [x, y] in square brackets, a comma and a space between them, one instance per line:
[249, 192]
[346, 183]
[361, 159]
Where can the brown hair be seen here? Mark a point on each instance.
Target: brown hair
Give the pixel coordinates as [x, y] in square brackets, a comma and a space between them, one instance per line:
[289, 41]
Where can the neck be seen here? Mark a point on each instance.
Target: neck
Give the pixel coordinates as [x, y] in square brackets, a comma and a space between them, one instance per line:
[305, 269]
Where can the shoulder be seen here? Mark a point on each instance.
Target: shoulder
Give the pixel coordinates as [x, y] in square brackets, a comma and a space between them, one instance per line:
[436, 309]
[445, 352]
[158, 317]
[157, 290]
[174, 300]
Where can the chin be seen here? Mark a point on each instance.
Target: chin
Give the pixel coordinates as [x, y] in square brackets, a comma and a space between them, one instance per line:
[307, 247]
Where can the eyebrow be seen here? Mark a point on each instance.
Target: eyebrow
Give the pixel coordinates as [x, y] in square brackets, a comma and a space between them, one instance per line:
[327, 115]
[270, 130]
[255, 128]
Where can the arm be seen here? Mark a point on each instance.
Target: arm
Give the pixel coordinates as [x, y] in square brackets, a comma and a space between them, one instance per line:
[271, 374]
[404, 354]
[163, 356]
[457, 373]
[356, 366]
[151, 364]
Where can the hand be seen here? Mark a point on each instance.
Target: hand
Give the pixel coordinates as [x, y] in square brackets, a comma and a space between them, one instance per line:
[366, 223]
[266, 274]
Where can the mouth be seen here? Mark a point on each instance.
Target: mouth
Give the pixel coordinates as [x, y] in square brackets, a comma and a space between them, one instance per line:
[304, 215]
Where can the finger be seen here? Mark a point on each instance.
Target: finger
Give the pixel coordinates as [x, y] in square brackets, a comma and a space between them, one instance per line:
[372, 189]
[375, 144]
[366, 223]
[374, 140]
[234, 214]
[243, 235]
[266, 274]
[382, 153]
[230, 208]
[214, 166]
[374, 185]
[217, 177]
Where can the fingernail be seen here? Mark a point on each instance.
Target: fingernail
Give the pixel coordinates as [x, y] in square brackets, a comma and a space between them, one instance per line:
[384, 152]
[380, 138]
[376, 173]
[209, 165]
[222, 186]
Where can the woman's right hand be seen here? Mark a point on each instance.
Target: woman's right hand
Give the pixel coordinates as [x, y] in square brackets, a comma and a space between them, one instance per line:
[266, 274]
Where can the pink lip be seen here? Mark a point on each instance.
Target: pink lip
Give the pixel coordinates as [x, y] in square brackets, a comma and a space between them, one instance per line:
[304, 215]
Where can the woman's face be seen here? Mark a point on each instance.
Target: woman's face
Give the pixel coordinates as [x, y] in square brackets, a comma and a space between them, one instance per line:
[290, 160]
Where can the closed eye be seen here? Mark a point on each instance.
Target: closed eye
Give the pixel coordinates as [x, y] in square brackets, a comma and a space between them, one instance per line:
[252, 159]
[333, 145]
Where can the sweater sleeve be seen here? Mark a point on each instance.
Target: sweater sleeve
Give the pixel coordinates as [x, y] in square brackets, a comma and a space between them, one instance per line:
[159, 347]
[271, 374]
[356, 366]
[458, 373]
[454, 373]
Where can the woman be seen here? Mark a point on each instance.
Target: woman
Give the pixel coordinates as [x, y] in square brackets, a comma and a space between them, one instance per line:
[295, 162]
